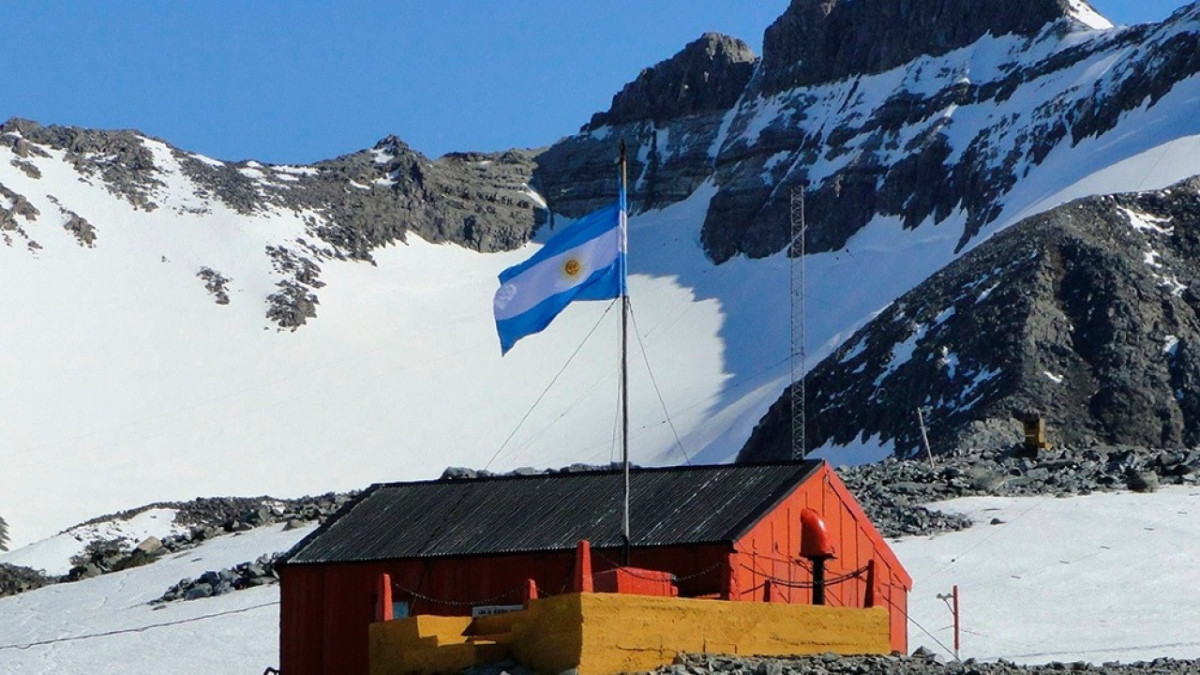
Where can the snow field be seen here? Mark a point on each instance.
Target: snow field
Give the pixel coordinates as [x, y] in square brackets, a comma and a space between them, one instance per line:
[1103, 577]
[103, 626]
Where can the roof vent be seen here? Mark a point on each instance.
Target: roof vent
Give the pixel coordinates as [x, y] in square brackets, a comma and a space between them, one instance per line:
[814, 537]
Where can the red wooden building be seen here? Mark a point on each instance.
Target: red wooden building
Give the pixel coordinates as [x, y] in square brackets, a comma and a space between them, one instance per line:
[729, 532]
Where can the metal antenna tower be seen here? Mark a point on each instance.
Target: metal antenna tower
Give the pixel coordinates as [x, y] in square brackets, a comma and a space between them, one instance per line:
[796, 253]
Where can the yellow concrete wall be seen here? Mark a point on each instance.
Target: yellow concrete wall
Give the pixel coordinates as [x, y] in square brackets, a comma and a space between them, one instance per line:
[420, 643]
[634, 632]
[550, 640]
[605, 633]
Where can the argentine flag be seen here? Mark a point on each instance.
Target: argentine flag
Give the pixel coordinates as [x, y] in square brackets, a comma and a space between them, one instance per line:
[586, 261]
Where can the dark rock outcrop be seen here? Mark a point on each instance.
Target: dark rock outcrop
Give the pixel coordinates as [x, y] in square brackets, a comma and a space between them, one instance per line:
[1085, 315]
[708, 74]
[670, 117]
[16, 579]
[367, 199]
[259, 572]
[375, 197]
[481, 201]
[894, 492]
[900, 158]
[12, 229]
[119, 159]
[203, 518]
[876, 105]
[817, 41]
[85, 233]
[215, 283]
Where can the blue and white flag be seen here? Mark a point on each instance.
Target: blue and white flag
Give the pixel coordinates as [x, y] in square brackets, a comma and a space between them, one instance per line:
[586, 261]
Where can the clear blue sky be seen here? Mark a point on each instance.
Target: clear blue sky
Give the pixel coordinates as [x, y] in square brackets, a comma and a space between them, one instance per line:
[304, 80]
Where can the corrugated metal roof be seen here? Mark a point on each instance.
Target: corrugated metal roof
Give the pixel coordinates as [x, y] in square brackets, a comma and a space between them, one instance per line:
[678, 505]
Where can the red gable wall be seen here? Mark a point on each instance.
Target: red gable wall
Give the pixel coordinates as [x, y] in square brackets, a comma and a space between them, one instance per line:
[766, 559]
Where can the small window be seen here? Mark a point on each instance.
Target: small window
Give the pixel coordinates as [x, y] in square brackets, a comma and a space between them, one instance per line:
[399, 609]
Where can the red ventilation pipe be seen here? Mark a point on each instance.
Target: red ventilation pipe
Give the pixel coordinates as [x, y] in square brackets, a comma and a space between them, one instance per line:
[816, 546]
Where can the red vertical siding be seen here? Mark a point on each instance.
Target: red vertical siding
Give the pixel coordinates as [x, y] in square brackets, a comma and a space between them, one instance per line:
[326, 609]
[767, 557]
[300, 642]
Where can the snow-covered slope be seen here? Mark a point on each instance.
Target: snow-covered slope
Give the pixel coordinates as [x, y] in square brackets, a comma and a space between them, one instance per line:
[53, 555]
[104, 625]
[127, 384]
[1107, 577]
[127, 381]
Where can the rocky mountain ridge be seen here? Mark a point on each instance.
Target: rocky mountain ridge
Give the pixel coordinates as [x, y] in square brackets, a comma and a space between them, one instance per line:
[926, 112]
[818, 41]
[707, 74]
[350, 205]
[1086, 316]
[880, 107]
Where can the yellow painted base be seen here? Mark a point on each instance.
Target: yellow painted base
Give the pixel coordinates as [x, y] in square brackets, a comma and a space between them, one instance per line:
[603, 633]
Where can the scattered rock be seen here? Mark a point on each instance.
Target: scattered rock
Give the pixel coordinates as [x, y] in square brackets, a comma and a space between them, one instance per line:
[292, 306]
[259, 572]
[77, 225]
[215, 283]
[149, 545]
[28, 168]
[891, 492]
[16, 579]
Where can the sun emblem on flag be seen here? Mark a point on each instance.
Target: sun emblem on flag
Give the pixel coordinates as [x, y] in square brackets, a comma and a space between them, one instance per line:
[572, 267]
[504, 296]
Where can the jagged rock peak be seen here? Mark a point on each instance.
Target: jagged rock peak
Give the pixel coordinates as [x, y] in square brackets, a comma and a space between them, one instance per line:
[74, 139]
[18, 125]
[708, 74]
[391, 143]
[818, 41]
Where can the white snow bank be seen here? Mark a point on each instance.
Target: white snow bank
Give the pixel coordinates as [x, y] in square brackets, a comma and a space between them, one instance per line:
[103, 626]
[1106, 577]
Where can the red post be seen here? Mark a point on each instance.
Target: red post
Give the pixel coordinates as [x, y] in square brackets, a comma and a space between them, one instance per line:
[869, 599]
[956, 621]
[383, 609]
[583, 567]
[530, 592]
[731, 582]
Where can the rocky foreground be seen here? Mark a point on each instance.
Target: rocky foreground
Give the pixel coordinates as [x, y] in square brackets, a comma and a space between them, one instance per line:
[920, 663]
[204, 519]
[893, 492]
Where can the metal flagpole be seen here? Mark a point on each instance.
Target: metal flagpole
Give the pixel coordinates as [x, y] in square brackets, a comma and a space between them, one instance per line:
[624, 361]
